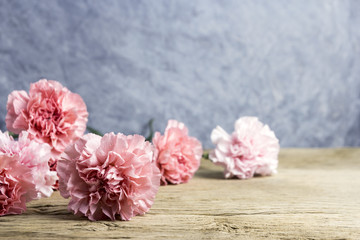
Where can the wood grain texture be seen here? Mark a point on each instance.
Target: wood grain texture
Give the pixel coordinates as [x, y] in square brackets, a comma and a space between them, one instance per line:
[315, 195]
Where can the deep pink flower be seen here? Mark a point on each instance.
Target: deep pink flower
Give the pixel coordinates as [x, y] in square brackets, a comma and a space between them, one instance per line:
[251, 149]
[109, 176]
[24, 172]
[50, 113]
[177, 155]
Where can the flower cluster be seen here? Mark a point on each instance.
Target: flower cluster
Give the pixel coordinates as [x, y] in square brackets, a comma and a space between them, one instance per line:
[106, 177]
[48, 119]
[24, 172]
[113, 176]
[50, 113]
[118, 175]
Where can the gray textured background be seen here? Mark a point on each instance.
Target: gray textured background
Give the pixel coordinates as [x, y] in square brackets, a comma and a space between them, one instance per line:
[294, 64]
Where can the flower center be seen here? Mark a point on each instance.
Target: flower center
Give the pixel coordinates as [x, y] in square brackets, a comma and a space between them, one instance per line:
[181, 159]
[106, 182]
[241, 150]
[47, 117]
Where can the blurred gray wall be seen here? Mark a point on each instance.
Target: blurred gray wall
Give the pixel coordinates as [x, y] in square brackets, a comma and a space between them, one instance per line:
[294, 64]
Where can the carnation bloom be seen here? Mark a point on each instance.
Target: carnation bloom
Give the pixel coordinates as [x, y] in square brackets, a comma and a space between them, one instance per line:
[109, 176]
[177, 155]
[251, 149]
[24, 172]
[50, 113]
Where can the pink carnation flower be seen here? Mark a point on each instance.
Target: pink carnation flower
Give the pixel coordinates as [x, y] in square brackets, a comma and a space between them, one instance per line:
[109, 176]
[50, 113]
[251, 149]
[177, 155]
[24, 172]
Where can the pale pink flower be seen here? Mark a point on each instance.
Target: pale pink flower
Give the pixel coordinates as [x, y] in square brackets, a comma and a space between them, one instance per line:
[24, 172]
[50, 113]
[252, 149]
[109, 176]
[177, 155]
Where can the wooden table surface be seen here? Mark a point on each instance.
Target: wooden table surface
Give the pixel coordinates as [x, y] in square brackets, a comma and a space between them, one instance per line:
[315, 195]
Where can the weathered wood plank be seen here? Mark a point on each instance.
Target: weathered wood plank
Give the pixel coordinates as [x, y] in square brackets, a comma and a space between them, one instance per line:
[315, 195]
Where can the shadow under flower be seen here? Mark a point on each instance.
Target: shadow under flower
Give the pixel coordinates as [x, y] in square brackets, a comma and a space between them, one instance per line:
[210, 170]
[53, 212]
[209, 173]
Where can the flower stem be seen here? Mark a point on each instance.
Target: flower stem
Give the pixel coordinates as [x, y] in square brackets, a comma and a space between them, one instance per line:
[94, 131]
[15, 136]
[151, 129]
[206, 156]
